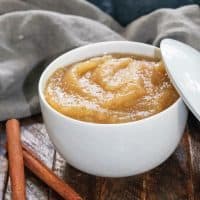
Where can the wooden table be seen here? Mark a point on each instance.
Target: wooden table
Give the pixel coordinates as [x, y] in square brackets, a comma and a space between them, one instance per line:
[176, 179]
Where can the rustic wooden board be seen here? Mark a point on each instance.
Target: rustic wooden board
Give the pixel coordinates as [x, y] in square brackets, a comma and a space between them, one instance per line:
[176, 179]
[60, 169]
[34, 135]
[194, 140]
[3, 174]
[130, 188]
[3, 161]
[172, 179]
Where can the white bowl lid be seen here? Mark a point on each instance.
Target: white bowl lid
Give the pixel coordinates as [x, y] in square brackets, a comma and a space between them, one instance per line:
[182, 64]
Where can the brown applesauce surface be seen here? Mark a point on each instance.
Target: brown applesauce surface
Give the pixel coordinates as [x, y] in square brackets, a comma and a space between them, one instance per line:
[111, 89]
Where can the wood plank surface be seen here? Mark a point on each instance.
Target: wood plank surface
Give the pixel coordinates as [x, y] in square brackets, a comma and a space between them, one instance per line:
[3, 161]
[130, 188]
[35, 137]
[3, 174]
[83, 183]
[194, 140]
[172, 179]
[178, 178]
[60, 169]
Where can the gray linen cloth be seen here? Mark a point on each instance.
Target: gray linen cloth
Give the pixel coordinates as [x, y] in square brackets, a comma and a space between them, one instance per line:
[33, 32]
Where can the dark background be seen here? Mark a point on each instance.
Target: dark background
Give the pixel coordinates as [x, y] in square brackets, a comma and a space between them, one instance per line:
[124, 11]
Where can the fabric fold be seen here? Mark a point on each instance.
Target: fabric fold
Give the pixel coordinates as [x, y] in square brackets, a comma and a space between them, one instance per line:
[33, 33]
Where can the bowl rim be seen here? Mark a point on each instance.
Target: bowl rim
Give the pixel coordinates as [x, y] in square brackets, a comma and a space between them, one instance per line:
[80, 122]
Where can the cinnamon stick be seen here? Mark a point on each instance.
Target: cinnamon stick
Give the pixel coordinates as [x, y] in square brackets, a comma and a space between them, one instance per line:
[31, 161]
[45, 174]
[15, 158]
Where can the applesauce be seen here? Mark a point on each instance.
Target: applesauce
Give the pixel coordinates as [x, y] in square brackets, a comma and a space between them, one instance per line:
[112, 88]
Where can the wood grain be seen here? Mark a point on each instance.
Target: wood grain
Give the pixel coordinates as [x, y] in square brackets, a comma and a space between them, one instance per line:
[3, 161]
[194, 140]
[171, 180]
[35, 136]
[130, 188]
[3, 174]
[83, 183]
[60, 169]
[178, 178]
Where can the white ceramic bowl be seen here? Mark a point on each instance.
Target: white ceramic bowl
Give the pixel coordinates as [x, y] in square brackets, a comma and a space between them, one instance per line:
[112, 150]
